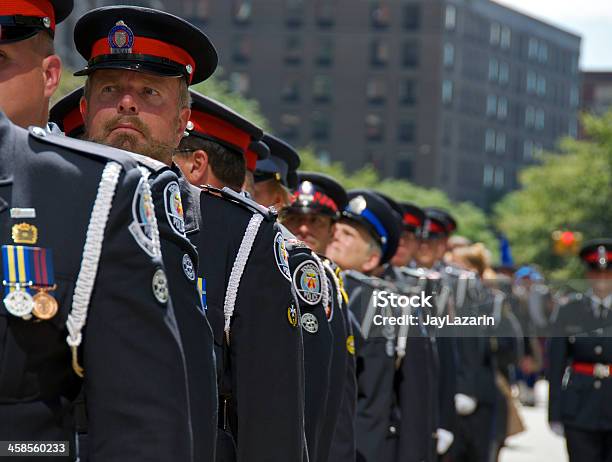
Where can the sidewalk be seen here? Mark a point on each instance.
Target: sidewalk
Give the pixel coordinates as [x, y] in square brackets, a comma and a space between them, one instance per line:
[537, 443]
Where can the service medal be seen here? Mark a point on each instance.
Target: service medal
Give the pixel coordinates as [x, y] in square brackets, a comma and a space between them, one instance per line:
[45, 305]
[19, 303]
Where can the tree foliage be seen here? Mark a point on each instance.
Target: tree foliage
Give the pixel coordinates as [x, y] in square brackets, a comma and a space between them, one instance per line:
[570, 190]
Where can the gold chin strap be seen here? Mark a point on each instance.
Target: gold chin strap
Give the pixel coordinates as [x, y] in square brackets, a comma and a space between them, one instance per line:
[341, 281]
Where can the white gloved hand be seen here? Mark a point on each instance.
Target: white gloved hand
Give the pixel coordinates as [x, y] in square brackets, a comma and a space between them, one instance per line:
[445, 439]
[557, 428]
[464, 404]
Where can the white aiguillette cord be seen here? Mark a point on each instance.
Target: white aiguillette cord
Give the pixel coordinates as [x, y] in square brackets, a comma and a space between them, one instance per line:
[238, 269]
[92, 251]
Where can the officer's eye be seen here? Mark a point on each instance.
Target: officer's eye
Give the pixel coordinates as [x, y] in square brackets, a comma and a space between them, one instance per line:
[150, 91]
[107, 89]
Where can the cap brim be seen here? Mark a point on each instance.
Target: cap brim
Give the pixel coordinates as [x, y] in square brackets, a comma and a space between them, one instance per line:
[146, 68]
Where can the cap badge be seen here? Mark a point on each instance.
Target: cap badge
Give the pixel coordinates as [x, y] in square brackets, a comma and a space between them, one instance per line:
[120, 38]
[603, 257]
[306, 187]
[357, 205]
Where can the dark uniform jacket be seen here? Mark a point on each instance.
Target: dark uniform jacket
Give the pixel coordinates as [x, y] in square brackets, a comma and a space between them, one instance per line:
[343, 445]
[135, 372]
[262, 386]
[375, 359]
[579, 400]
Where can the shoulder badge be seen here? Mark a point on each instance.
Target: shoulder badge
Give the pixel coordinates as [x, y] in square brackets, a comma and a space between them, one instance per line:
[174, 207]
[282, 256]
[143, 214]
[307, 282]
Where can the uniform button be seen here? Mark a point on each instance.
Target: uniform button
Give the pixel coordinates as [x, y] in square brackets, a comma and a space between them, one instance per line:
[572, 339]
[598, 350]
[597, 384]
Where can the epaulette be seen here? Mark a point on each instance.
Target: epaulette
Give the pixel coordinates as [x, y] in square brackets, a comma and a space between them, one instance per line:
[233, 196]
[152, 164]
[414, 273]
[296, 244]
[86, 148]
[571, 298]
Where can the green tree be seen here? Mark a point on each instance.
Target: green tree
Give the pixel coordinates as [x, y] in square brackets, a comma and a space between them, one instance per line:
[472, 221]
[570, 190]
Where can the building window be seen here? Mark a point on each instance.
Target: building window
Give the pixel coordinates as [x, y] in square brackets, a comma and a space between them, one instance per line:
[573, 127]
[322, 88]
[325, 53]
[293, 50]
[239, 82]
[500, 143]
[408, 93]
[490, 140]
[376, 90]
[291, 90]
[574, 97]
[374, 127]
[290, 126]
[412, 17]
[404, 168]
[380, 13]
[499, 178]
[539, 119]
[495, 34]
[543, 52]
[504, 73]
[530, 117]
[242, 49]
[541, 90]
[447, 91]
[294, 12]
[410, 54]
[532, 48]
[320, 126]
[506, 37]
[242, 10]
[379, 52]
[493, 70]
[406, 131]
[487, 175]
[491, 105]
[325, 13]
[450, 17]
[528, 150]
[449, 55]
[532, 82]
[502, 108]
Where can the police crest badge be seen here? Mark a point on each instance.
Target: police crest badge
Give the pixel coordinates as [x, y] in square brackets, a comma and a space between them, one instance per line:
[174, 208]
[120, 38]
[307, 282]
[143, 213]
[282, 256]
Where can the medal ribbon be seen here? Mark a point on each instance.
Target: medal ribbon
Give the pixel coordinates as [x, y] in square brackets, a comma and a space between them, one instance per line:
[25, 265]
[202, 291]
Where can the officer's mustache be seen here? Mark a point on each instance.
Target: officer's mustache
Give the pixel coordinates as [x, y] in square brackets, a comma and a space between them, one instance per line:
[134, 121]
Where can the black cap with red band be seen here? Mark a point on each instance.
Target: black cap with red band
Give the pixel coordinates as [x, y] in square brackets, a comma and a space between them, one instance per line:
[66, 114]
[284, 160]
[213, 121]
[413, 217]
[317, 193]
[145, 40]
[597, 254]
[22, 19]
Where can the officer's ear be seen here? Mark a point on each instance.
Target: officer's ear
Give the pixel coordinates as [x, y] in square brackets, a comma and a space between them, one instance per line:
[196, 170]
[184, 115]
[52, 72]
[371, 263]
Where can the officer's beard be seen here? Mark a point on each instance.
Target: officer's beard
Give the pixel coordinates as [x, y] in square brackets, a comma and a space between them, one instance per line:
[151, 147]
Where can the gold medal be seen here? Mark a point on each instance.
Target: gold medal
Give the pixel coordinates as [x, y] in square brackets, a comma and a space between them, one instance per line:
[45, 305]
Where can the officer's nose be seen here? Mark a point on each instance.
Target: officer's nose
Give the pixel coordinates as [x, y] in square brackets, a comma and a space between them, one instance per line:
[127, 105]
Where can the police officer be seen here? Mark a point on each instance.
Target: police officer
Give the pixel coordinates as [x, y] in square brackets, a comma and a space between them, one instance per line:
[310, 216]
[31, 70]
[365, 238]
[581, 364]
[245, 273]
[67, 268]
[140, 62]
